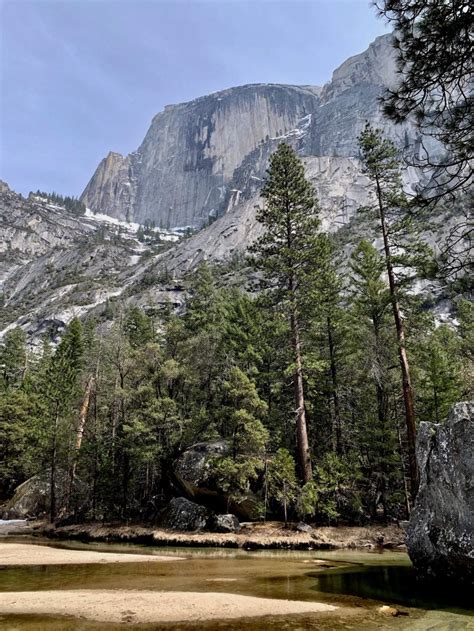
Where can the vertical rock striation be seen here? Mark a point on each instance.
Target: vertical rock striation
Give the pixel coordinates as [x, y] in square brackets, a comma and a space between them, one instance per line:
[180, 174]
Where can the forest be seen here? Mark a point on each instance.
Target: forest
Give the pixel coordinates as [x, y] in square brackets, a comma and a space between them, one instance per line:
[314, 368]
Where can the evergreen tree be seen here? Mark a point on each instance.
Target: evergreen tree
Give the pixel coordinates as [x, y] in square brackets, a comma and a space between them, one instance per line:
[287, 254]
[440, 378]
[13, 358]
[281, 480]
[247, 436]
[372, 356]
[327, 324]
[381, 163]
[138, 326]
[371, 301]
[204, 308]
[60, 388]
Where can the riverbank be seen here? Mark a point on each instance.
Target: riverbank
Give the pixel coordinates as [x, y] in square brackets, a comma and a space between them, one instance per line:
[252, 536]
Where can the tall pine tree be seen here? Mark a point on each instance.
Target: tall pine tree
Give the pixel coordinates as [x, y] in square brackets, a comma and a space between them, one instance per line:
[287, 254]
[382, 165]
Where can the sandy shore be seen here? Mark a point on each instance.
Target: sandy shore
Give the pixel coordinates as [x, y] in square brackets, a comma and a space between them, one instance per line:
[150, 606]
[28, 554]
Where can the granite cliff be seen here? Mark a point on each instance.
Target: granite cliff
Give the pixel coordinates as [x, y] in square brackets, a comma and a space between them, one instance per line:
[180, 173]
[200, 159]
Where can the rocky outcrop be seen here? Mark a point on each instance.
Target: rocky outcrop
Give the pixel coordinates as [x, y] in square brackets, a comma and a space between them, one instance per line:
[440, 535]
[192, 468]
[351, 98]
[55, 265]
[339, 184]
[181, 514]
[113, 185]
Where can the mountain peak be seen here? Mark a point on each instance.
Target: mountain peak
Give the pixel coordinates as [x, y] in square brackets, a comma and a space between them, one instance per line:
[194, 152]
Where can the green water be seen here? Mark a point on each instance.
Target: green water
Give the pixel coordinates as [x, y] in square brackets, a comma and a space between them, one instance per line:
[361, 581]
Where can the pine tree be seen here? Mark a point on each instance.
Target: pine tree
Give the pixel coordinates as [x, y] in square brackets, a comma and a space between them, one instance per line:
[204, 309]
[281, 480]
[441, 373]
[60, 388]
[328, 320]
[373, 356]
[138, 326]
[287, 254]
[13, 358]
[381, 163]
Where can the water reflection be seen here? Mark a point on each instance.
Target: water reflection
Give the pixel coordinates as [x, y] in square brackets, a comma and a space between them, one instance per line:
[395, 584]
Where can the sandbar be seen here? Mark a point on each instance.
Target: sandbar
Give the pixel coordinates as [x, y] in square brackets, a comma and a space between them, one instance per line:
[30, 554]
[146, 606]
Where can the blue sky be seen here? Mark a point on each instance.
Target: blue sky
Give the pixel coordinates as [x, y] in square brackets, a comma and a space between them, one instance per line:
[81, 77]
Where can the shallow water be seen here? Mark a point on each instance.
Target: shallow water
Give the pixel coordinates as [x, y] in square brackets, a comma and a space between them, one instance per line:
[361, 581]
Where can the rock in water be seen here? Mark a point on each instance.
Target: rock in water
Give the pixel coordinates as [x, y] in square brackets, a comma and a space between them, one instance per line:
[440, 536]
[225, 523]
[181, 514]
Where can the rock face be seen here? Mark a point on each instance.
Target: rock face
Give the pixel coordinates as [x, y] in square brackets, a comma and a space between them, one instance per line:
[181, 514]
[351, 98]
[179, 174]
[30, 499]
[440, 535]
[200, 159]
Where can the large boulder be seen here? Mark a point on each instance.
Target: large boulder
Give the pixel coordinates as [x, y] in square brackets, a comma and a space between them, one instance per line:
[192, 468]
[193, 476]
[33, 497]
[440, 535]
[181, 514]
[224, 523]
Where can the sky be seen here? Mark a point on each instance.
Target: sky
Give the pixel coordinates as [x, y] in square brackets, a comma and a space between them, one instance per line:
[80, 78]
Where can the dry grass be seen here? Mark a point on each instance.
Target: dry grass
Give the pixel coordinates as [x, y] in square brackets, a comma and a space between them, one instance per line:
[258, 535]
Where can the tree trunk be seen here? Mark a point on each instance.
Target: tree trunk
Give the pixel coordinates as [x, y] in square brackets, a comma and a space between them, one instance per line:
[304, 458]
[79, 434]
[302, 444]
[404, 365]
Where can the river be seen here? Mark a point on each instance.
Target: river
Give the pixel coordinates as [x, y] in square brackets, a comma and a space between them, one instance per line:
[357, 582]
